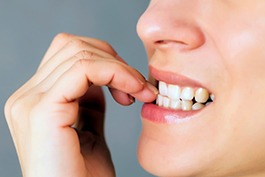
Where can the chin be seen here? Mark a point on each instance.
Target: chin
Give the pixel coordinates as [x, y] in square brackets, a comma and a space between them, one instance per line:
[189, 144]
[161, 154]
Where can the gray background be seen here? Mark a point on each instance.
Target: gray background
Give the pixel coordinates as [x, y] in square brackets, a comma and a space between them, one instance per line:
[26, 30]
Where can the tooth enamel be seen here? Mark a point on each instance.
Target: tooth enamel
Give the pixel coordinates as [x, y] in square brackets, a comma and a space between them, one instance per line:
[187, 93]
[175, 104]
[162, 88]
[208, 103]
[201, 95]
[212, 97]
[185, 99]
[159, 100]
[173, 91]
[197, 106]
[186, 105]
[166, 102]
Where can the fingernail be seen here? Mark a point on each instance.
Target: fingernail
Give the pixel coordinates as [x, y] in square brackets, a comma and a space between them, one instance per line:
[131, 98]
[152, 88]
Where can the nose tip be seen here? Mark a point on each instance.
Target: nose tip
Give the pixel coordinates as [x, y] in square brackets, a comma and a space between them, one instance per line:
[161, 28]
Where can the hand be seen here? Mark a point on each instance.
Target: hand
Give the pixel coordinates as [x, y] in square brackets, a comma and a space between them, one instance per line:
[56, 119]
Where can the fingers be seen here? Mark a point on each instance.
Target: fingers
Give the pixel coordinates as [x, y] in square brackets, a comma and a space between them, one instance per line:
[121, 97]
[75, 82]
[63, 47]
[63, 92]
[69, 40]
[53, 75]
[66, 50]
[75, 64]
[74, 47]
[88, 52]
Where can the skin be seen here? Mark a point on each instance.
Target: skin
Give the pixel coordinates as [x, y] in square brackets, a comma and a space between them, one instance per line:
[56, 119]
[217, 43]
[221, 45]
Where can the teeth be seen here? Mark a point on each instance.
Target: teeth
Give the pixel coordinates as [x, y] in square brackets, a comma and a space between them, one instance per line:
[186, 99]
[166, 102]
[175, 104]
[201, 95]
[208, 103]
[159, 100]
[186, 105]
[187, 93]
[212, 97]
[162, 88]
[197, 106]
[173, 91]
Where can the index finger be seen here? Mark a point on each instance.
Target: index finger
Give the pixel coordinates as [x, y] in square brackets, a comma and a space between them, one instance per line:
[75, 82]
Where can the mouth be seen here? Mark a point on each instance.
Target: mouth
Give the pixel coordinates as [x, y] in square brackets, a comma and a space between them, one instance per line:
[179, 99]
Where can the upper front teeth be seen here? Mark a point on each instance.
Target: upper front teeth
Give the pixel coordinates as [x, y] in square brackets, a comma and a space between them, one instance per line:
[187, 93]
[173, 91]
[186, 98]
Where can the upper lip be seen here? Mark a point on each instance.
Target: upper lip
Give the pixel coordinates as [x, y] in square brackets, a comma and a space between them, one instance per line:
[174, 78]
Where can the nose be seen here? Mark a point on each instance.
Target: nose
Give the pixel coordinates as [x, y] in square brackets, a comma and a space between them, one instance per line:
[168, 23]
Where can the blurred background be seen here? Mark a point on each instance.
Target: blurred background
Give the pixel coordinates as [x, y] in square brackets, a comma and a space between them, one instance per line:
[26, 30]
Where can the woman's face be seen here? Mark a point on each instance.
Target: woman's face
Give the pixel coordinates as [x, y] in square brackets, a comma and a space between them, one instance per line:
[219, 46]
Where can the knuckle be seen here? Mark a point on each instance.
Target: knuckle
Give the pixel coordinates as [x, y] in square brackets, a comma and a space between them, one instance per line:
[108, 47]
[81, 63]
[8, 108]
[77, 44]
[105, 44]
[84, 55]
[14, 109]
[62, 37]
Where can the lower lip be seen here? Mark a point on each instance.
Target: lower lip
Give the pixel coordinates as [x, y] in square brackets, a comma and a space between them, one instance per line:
[162, 115]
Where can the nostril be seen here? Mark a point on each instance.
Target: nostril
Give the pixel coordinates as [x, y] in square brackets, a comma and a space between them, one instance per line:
[165, 42]
[160, 42]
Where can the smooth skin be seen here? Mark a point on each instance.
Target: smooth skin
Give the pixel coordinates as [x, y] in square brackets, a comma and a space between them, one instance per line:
[56, 119]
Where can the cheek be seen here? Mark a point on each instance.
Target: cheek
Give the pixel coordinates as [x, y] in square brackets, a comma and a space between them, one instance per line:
[243, 51]
[245, 64]
[245, 94]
